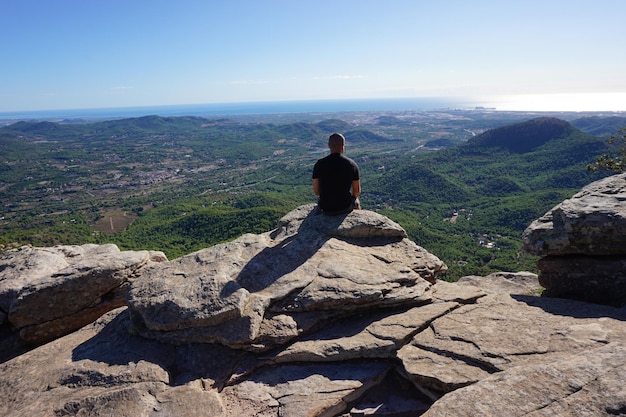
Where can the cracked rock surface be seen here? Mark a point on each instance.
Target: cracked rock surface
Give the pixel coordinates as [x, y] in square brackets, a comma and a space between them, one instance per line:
[327, 317]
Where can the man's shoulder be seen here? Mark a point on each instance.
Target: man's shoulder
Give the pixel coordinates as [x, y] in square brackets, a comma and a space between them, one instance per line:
[336, 159]
[350, 160]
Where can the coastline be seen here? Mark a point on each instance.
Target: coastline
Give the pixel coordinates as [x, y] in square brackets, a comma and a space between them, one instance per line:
[248, 108]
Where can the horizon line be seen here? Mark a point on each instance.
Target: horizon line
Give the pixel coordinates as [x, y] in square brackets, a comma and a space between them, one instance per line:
[544, 103]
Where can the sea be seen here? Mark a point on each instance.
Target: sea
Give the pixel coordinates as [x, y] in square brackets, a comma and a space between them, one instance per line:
[246, 108]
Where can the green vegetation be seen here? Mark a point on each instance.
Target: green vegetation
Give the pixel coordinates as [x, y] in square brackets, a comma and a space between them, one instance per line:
[182, 184]
[615, 161]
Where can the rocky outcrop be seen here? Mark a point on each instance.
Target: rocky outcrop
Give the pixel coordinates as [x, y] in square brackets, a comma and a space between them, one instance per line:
[582, 242]
[46, 293]
[327, 316]
[260, 291]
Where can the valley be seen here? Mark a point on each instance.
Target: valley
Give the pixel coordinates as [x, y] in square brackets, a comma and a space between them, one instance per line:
[179, 184]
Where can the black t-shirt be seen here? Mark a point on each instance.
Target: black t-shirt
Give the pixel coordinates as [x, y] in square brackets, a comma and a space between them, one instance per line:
[335, 174]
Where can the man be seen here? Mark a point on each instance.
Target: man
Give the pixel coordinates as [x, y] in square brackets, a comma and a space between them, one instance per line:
[336, 179]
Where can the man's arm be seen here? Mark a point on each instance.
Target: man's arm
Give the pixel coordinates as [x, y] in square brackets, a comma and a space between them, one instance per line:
[356, 188]
[316, 186]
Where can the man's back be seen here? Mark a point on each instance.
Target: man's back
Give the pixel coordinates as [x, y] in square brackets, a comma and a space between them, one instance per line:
[335, 174]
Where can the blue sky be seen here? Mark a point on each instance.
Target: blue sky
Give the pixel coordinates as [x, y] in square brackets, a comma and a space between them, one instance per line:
[63, 54]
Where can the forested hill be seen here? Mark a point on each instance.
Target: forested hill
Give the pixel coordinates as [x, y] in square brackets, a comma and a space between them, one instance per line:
[600, 126]
[469, 204]
[179, 184]
[539, 154]
[524, 137]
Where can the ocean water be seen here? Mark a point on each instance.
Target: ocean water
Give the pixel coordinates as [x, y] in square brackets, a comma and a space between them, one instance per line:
[225, 109]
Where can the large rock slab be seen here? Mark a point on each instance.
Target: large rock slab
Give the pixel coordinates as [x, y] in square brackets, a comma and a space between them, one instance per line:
[590, 384]
[308, 269]
[592, 222]
[309, 390]
[48, 292]
[505, 282]
[339, 316]
[377, 335]
[514, 351]
[103, 369]
[501, 332]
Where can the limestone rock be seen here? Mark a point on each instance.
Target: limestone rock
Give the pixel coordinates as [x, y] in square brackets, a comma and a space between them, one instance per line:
[592, 222]
[590, 384]
[498, 351]
[582, 241]
[505, 282]
[310, 268]
[500, 332]
[48, 292]
[596, 279]
[103, 369]
[368, 336]
[309, 390]
[337, 317]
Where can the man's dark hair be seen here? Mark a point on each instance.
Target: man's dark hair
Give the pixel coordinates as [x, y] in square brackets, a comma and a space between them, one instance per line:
[336, 141]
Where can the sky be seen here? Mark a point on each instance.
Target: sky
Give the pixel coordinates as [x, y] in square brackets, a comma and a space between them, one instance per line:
[533, 54]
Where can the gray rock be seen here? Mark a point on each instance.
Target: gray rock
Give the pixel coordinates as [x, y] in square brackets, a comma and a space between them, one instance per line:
[308, 390]
[311, 263]
[505, 282]
[596, 279]
[513, 350]
[500, 332]
[49, 292]
[368, 336]
[322, 317]
[592, 222]
[582, 241]
[590, 384]
[103, 369]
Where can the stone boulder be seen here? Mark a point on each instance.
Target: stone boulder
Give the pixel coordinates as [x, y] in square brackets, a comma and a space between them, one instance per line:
[46, 293]
[333, 317]
[582, 242]
[261, 290]
[490, 350]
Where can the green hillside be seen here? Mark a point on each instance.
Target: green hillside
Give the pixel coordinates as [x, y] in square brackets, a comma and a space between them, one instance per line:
[179, 184]
[470, 204]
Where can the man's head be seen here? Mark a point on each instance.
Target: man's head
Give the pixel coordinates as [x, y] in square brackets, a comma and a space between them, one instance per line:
[336, 142]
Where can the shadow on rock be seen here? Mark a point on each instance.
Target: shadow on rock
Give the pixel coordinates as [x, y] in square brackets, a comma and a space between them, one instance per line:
[116, 344]
[572, 308]
[289, 254]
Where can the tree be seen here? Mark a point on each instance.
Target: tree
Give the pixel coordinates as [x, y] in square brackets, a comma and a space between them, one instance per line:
[612, 163]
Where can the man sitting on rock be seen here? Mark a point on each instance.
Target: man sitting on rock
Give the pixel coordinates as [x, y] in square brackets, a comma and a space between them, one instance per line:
[336, 179]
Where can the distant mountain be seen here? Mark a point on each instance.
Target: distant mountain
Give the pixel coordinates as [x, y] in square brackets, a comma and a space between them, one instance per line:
[525, 136]
[187, 182]
[301, 130]
[364, 135]
[539, 154]
[388, 121]
[600, 126]
[39, 128]
[334, 125]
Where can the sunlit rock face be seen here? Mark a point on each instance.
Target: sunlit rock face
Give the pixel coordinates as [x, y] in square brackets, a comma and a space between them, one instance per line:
[582, 242]
[261, 290]
[323, 316]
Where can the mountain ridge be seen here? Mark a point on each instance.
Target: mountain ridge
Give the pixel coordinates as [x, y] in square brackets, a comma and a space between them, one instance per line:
[127, 181]
[525, 136]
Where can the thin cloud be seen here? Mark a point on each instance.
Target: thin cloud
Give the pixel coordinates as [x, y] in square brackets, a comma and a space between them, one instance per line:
[341, 77]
